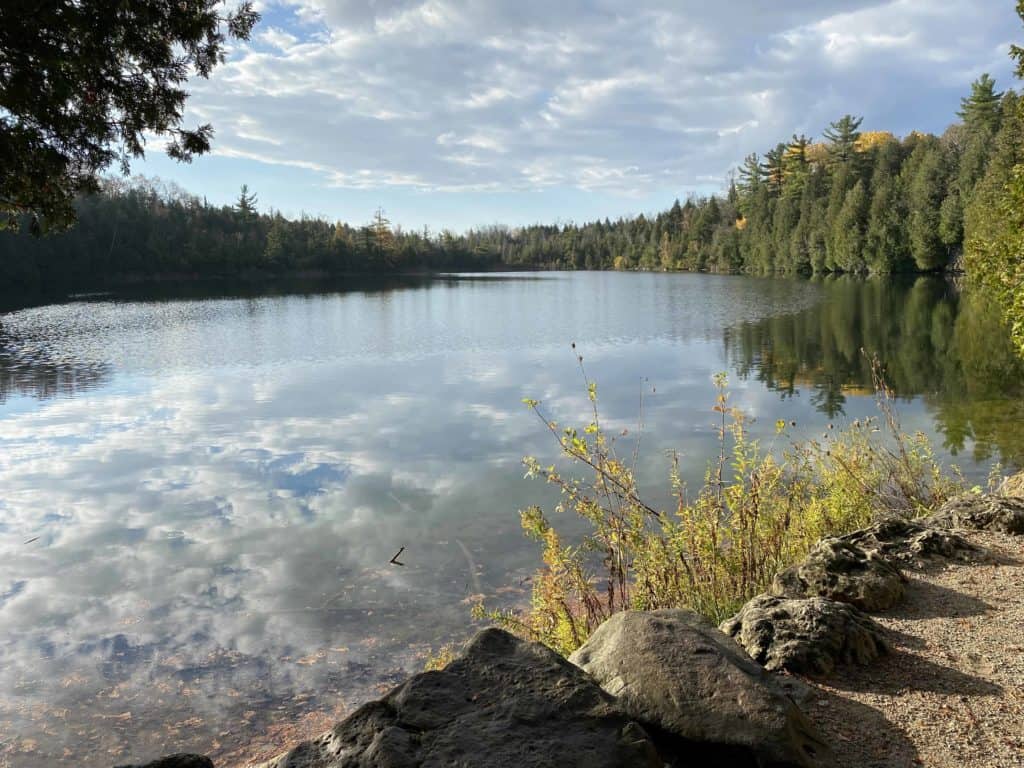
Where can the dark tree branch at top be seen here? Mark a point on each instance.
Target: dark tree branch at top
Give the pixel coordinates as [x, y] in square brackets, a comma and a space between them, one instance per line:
[83, 82]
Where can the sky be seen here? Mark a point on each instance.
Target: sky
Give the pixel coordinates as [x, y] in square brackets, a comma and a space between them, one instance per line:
[462, 113]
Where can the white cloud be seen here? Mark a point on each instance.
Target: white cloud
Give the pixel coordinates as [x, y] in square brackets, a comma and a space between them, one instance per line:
[461, 95]
[277, 38]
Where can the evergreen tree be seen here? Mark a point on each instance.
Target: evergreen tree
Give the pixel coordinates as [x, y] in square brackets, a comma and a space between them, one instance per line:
[995, 220]
[926, 189]
[796, 165]
[848, 231]
[842, 136]
[775, 169]
[83, 83]
[246, 204]
[751, 175]
[980, 110]
[886, 240]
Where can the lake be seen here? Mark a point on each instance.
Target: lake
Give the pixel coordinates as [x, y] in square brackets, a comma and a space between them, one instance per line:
[202, 487]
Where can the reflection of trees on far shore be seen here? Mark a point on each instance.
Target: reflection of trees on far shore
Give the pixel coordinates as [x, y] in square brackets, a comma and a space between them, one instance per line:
[27, 368]
[935, 341]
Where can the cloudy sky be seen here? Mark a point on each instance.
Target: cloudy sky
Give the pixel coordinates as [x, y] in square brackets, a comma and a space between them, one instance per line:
[466, 112]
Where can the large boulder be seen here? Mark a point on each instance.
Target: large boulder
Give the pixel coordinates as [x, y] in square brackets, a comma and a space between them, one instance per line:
[809, 635]
[504, 702]
[180, 760]
[977, 511]
[843, 571]
[906, 541]
[701, 696]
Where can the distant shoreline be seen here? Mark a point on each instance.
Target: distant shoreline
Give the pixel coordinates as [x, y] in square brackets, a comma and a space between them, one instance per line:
[254, 283]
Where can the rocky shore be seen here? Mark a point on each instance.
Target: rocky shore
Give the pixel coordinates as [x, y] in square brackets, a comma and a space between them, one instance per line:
[666, 688]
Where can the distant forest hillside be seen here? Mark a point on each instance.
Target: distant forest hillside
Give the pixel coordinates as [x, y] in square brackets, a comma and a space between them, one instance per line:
[852, 202]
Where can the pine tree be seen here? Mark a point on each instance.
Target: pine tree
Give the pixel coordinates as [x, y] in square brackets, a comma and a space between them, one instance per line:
[751, 175]
[796, 165]
[775, 169]
[842, 136]
[246, 204]
[980, 110]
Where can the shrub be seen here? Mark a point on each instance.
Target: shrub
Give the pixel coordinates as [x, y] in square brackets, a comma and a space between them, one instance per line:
[757, 511]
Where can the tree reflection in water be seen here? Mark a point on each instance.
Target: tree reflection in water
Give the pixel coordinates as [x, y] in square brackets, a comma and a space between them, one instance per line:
[935, 339]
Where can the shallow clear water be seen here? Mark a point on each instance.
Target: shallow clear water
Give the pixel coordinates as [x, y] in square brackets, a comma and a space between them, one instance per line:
[200, 494]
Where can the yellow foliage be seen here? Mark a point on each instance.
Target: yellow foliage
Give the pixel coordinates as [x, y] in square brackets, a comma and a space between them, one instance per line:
[741, 223]
[817, 153]
[438, 661]
[871, 139]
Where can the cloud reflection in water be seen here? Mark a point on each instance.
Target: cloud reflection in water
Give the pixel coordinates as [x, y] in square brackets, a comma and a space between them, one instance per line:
[216, 512]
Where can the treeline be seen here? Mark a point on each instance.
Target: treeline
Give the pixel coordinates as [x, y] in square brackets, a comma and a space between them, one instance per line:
[144, 228]
[853, 202]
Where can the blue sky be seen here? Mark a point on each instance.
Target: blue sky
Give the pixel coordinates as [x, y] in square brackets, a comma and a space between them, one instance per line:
[458, 113]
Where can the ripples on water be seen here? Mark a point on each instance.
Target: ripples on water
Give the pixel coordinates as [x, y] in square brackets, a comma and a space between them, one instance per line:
[201, 493]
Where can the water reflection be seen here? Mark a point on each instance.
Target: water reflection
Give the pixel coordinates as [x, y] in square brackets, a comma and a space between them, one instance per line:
[29, 369]
[194, 549]
[935, 341]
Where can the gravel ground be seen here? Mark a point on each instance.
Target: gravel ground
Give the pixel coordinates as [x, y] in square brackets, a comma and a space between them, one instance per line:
[952, 692]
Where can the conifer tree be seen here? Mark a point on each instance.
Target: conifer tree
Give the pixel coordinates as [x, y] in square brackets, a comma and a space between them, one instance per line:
[848, 231]
[246, 204]
[82, 84]
[926, 189]
[842, 136]
[980, 110]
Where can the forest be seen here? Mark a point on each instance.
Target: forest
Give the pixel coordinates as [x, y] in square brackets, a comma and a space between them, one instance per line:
[851, 202]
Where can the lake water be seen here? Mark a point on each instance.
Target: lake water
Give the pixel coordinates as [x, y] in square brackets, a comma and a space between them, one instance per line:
[200, 493]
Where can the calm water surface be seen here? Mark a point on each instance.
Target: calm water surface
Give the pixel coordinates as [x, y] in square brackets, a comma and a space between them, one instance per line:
[199, 495]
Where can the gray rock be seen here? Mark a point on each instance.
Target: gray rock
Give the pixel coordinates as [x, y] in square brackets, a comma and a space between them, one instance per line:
[907, 541]
[843, 571]
[978, 512]
[704, 699]
[504, 702]
[810, 635]
[181, 760]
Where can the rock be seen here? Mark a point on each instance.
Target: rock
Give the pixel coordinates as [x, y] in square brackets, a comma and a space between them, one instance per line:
[907, 541]
[503, 702]
[181, 760]
[698, 693]
[975, 511]
[809, 636]
[840, 570]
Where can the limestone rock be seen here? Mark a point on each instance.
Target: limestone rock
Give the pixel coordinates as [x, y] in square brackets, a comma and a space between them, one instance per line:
[810, 635]
[975, 511]
[504, 702]
[699, 692]
[181, 760]
[907, 541]
[843, 571]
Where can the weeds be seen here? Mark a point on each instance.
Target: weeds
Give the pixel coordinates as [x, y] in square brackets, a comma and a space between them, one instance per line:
[757, 511]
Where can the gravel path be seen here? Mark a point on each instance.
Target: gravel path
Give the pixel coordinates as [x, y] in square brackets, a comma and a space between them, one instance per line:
[952, 692]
